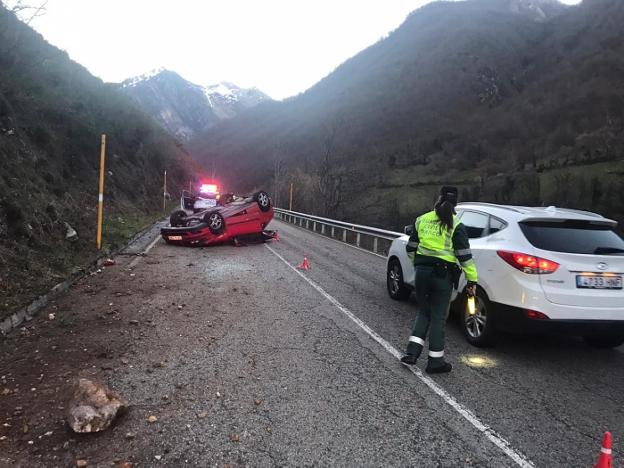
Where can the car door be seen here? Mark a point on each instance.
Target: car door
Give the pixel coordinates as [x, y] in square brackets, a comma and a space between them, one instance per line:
[477, 225]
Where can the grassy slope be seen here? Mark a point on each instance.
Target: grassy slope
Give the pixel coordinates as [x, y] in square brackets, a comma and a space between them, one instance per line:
[52, 112]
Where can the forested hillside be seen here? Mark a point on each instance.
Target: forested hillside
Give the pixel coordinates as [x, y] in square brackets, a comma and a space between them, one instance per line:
[52, 112]
[515, 101]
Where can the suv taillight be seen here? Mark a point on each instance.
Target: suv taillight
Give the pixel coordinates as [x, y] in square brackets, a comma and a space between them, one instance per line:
[528, 263]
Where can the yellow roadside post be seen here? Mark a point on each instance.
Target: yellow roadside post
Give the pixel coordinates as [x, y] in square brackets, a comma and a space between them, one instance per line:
[165, 193]
[101, 193]
[290, 197]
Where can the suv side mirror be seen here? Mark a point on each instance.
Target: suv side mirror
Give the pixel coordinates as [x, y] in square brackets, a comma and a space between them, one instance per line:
[409, 229]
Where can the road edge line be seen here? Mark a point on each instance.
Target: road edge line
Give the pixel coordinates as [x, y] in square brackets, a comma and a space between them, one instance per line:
[468, 415]
[134, 262]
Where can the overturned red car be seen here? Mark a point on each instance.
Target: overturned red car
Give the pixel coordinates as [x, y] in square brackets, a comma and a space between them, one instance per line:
[238, 217]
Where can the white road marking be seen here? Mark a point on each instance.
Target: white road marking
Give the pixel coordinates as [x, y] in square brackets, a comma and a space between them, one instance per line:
[467, 414]
[149, 247]
[134, 262]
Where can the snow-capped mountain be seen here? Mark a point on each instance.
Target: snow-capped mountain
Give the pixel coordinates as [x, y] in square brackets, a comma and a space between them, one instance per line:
[185, 108]
[228, 100]
[538, 10]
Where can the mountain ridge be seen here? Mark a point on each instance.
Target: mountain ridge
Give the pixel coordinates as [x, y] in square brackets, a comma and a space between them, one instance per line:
[185, 108]
[461, 92]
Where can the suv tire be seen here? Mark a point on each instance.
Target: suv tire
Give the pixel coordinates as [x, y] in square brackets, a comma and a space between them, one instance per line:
[394, 281]
[479, 329]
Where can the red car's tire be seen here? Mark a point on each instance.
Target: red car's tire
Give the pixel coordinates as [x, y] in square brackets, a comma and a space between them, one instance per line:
[215, 222]
[263, 200]
[178, 218]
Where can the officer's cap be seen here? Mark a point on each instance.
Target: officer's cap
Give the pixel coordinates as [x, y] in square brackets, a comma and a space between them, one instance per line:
[448, 193]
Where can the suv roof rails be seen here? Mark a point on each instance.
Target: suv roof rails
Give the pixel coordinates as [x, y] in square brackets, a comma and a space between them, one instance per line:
[519, 209]
[584, 212]
[502, 207]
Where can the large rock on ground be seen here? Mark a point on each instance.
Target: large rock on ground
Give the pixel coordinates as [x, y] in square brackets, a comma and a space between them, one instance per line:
[93, 407]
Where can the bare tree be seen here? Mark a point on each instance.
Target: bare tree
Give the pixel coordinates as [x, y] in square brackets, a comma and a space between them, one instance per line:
[27, 11]
[331, 178]
[278, 172]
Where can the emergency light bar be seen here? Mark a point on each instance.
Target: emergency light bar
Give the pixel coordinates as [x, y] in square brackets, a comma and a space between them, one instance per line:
[208, 188]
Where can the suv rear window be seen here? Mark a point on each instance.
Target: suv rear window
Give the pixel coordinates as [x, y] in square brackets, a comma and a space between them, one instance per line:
[579, 237]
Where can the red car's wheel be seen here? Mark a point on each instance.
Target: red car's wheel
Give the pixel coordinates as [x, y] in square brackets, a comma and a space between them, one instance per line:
[178, 218]
[215, 222]
[263, 200]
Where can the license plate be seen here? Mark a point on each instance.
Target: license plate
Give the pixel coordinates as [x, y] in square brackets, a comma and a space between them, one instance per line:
[175, 237]
[598, 282]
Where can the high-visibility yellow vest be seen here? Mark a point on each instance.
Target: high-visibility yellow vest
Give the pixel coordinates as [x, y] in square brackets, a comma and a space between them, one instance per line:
[435, 240]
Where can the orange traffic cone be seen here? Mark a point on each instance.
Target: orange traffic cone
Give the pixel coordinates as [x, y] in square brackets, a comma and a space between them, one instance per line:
[605, 459]
[276, 237]
[305, 265]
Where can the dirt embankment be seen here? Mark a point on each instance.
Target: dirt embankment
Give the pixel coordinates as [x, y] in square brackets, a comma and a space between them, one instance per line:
[120, 325]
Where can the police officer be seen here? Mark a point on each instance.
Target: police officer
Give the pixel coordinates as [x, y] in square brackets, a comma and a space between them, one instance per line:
[439, 242]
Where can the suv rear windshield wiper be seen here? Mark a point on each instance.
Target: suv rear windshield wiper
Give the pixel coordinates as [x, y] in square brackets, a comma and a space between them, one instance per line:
[607, 250]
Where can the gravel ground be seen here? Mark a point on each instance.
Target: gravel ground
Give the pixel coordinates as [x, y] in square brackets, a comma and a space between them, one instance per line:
[243, 363]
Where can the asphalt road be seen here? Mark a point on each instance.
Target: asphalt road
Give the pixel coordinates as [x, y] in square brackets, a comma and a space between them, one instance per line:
[245, 361]
[550, 397]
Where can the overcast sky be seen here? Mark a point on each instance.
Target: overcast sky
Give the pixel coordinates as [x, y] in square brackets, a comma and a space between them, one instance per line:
[280, 46]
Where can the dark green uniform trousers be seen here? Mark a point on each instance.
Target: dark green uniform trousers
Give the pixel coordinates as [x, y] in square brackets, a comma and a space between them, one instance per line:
[433, 294]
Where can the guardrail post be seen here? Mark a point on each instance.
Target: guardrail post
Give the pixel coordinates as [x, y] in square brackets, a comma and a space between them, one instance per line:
[307, 224]
[357, 239]
[344, 235]
[314, 226]
[375, 239]
[332, 231]
[323, 229]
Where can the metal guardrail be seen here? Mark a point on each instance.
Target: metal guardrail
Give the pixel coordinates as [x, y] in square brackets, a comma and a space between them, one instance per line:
[366, 237]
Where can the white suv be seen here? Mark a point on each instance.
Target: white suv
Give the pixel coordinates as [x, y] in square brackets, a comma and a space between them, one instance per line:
[540, 269]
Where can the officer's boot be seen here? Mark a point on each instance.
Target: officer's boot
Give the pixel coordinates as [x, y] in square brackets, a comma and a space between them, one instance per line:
[414, 348]
[437, 364]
